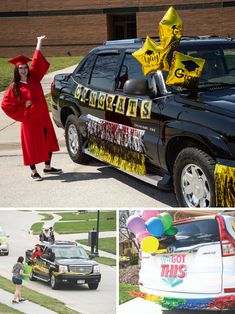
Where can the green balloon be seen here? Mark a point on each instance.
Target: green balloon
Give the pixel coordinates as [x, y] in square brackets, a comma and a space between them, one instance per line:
[167, 220]
[171, 231]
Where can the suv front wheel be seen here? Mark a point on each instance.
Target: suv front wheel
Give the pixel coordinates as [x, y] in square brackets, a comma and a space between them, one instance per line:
[73, 139]
[54, 282]
[194, 178]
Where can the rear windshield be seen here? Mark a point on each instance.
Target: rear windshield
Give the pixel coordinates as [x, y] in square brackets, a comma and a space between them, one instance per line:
[196, 232]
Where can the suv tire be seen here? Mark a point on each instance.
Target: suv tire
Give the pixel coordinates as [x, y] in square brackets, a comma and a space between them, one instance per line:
[73, 139]
[93, 286]
[31, 276]
[54, 282]
[194, 178]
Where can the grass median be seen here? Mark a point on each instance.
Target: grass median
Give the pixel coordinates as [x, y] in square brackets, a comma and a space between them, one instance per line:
[56, 63]
[8, 310]
[124, 295]
[38, 298]
[105, 244]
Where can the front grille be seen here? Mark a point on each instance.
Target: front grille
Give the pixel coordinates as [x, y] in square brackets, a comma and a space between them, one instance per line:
[81, 269]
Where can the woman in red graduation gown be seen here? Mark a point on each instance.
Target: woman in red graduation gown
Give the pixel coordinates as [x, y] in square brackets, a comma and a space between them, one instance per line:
[24, 101]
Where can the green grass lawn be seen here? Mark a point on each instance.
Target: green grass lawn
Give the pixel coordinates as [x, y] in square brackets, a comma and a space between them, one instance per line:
[108, 214]
[105, 244]
[56, 63]
[46, 216]
[38, 298]
[37, 227]
[83, 226]
[8, 310]
[124, 295]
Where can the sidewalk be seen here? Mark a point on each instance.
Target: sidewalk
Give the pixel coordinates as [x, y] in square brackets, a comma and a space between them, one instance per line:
[10, 129]
[26, 307]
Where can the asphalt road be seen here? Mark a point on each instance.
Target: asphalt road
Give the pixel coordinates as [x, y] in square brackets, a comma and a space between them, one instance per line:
[81, 299]
[93, 185]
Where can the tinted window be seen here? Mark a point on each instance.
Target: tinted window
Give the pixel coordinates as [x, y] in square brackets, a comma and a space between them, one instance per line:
[83, 73]
[131, 69]
[196, 232]
[104, 72]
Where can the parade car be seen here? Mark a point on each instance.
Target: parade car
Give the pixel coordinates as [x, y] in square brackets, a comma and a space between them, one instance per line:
[4, 246]
[160, 134]
[197, 268]
[64, 262]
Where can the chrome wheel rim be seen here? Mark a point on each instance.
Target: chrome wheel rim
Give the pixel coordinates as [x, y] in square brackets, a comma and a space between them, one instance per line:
[52, 280]
[195, 187]
[73, 139]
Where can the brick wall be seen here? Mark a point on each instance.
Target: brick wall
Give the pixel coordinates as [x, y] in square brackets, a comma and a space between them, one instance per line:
[77, 34]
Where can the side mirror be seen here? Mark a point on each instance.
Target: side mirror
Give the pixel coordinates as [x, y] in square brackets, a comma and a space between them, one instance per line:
[63, 77]
[137, 87]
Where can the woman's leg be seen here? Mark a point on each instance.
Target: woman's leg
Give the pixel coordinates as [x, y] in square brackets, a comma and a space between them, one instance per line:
[48, 162]
[49, 169]
[35, 175]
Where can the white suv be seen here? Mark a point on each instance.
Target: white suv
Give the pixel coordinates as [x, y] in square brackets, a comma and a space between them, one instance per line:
[198, 269]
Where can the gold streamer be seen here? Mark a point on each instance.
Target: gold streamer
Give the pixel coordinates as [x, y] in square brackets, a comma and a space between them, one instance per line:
[225, 186]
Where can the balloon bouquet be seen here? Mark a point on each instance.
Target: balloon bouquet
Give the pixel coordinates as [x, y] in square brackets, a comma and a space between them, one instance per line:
[185, 70]
[149, 227]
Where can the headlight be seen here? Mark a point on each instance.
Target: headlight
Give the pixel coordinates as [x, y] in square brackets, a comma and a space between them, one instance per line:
[96, 269]
[63, 269]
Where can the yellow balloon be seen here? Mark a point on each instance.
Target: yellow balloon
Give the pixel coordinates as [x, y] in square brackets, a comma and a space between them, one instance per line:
[152, 56]
[185, 71]
[149, 244]
[170, 29]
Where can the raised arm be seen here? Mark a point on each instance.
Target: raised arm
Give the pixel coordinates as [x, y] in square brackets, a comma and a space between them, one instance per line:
[39, 65]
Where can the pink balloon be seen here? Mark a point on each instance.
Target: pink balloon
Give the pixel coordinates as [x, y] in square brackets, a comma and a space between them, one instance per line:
[149, 213]
[142, 235]
[135, 224]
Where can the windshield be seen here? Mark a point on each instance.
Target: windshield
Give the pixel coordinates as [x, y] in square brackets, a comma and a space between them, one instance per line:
[70, 252]
[219, 67]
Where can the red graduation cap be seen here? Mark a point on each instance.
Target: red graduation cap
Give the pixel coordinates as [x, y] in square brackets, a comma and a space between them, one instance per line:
[19, 60]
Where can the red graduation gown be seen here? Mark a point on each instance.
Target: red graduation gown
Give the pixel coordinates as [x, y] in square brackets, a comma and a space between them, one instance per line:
[37, 133]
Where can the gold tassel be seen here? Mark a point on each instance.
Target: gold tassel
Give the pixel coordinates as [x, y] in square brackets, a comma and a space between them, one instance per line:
[225, 186]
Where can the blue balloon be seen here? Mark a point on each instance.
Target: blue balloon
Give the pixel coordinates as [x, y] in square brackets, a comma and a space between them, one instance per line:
[155, 226]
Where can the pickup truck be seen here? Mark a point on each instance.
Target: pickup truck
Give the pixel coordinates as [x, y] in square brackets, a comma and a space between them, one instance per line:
[158, 133]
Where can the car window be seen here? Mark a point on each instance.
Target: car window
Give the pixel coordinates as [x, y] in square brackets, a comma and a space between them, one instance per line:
[82, 74]
[70, 252]
[131, 69]
[196, 232]
[104, 71]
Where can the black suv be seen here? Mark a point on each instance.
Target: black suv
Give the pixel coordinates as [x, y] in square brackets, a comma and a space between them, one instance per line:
[174, 138]
[64, 262]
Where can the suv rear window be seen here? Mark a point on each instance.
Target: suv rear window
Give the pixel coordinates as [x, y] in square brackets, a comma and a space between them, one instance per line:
[196, 232]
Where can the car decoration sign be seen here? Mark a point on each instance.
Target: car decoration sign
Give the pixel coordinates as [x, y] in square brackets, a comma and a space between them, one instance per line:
[131, 107]
[173, 269]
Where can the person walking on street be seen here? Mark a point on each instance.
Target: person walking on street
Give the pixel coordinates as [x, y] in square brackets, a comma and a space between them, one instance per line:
[17, 279]
[24, 101]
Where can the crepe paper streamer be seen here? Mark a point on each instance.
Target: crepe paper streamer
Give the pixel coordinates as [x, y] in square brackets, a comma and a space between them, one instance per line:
[135, 224]
[185, 71]
[224, 185]
[170, 29]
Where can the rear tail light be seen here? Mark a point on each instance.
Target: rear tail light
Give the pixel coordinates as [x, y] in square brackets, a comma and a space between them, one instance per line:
[227, 241]
[52, 86]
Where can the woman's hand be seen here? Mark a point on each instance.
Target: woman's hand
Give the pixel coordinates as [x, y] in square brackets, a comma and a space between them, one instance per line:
[28, 103]
[39, 43]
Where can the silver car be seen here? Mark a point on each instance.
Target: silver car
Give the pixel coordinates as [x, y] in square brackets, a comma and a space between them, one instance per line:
[4, 246]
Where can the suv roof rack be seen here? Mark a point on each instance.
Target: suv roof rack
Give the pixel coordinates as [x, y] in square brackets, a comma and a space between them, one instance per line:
[123, 41]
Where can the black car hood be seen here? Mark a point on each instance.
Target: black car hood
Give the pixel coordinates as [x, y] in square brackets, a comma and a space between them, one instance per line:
[74, 261]
[220, 99]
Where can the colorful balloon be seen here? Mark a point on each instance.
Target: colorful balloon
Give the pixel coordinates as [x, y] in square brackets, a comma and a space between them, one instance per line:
[185, 71]
[167, 220]
[142, 235]
[170, 29]
[149, 244]
[152, 57]
[136, 224]
[171, 231]
[149, 213]
[155, 226]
